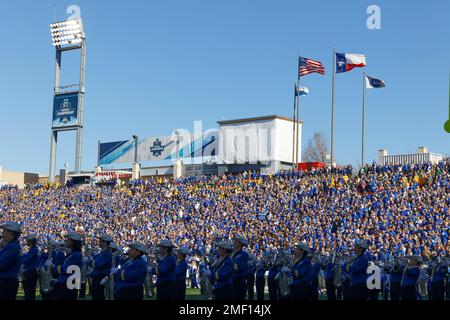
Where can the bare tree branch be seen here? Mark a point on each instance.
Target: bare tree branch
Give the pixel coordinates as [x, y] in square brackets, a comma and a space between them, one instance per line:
[317, 149]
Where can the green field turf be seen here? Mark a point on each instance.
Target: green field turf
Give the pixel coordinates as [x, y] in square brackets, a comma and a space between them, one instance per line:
[191, 294]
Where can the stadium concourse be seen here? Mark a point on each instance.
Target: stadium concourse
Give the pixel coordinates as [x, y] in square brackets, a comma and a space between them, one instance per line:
[400, 210]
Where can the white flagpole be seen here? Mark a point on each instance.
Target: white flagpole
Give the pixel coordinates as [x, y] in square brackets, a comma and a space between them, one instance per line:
[293, 129]
[332, 108]
[298, 116]
[363, 119]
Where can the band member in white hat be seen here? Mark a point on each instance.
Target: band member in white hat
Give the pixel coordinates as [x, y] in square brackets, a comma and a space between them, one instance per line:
[358, 272]
[180, 274]
[30, 264]
[222, 277]
[302, 273]
[165, 271]
[131, 276]
[240, 261]
[10, 261]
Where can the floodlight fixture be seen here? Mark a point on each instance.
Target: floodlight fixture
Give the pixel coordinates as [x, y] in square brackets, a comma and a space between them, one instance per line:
[69, 32]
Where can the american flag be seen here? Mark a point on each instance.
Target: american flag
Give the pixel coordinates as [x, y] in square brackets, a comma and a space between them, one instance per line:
[307, 66]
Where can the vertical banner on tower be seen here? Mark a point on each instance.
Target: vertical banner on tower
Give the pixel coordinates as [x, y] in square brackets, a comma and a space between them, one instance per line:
[65, 110]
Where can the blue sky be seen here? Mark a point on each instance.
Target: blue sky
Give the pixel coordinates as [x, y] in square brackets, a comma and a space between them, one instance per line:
[154, 66]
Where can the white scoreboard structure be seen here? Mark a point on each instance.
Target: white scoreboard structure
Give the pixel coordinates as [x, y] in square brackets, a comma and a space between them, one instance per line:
[264, 143]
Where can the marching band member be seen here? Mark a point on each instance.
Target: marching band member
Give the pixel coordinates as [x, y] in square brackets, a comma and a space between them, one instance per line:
[410, 276]
[329, 280]
[10, 261]
[30, 261]
[302, 273]
[384, 283]
[250, 277]
[47, 262]
[260, 279]
[129, 279]
[193, 274]
[358, 272]
[274, 290]
[395, 279]
[447, 280]
[316, 263]
[437, 280]
[345, 290]
[165, 271]
[102, 265]
[180, 275]
[64, 290]
[222, 277]
[240, 261]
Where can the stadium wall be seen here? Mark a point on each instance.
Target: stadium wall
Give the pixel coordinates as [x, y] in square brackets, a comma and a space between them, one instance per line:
[17, 178]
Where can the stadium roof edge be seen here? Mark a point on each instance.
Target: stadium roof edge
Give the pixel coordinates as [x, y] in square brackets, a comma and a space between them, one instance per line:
[243, 120]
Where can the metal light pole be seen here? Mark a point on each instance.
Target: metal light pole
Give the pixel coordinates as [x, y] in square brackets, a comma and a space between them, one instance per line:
[136, 140]
[136, 165]
[68, 116]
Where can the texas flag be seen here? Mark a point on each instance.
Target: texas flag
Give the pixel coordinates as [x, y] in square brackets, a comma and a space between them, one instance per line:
[347, 61]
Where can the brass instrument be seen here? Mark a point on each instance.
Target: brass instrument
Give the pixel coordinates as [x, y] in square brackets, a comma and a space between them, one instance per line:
[338, 276]
[322, 260]
[45, 272]
[337, 272]
[109, 281]
[284, 278]
[89, 252]
[148, 284]
[205, 282]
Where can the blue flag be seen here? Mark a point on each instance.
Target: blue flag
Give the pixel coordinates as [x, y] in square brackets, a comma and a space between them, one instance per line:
[374, 83]
[301, 91]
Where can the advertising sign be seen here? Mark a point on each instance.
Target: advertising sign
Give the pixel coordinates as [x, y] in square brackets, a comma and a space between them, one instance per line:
[159, 148]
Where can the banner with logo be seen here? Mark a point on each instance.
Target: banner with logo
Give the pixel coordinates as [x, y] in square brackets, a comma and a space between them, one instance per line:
[65, 110]
[160, 148]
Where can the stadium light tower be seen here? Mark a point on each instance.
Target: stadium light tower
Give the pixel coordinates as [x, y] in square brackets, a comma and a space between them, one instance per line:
[68, 100]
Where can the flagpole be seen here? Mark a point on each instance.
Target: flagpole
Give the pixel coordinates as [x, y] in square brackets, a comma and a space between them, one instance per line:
[332, 109]
[293, 129]
[298, 116]
[363, 119]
